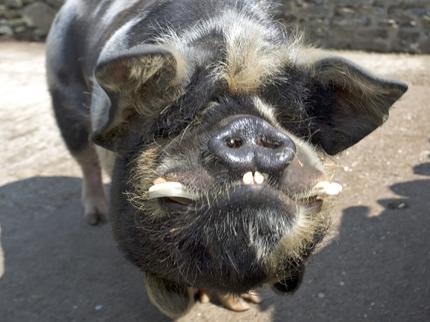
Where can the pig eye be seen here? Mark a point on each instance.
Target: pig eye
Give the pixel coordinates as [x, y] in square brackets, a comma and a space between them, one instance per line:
[234, 143]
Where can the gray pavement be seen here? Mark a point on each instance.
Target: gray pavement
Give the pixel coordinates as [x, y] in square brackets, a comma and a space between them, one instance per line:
[376, 266]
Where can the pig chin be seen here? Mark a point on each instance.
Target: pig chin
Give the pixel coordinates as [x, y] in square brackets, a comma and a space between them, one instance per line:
[236, 244]
[237, 234]
[240, 233]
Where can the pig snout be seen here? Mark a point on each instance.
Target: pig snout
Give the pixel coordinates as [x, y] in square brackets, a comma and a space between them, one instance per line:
[249, 143]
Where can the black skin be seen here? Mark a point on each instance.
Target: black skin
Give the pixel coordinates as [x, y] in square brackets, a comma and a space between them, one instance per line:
[311, 103]
[80, 47]
[139, 244]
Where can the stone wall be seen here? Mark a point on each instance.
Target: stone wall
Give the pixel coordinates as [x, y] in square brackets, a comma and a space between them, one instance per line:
[375, 25]
[27, 19]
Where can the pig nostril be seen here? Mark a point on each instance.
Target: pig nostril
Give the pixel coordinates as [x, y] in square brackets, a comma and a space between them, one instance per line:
[268, 142]
[234, 143]
[247, 143]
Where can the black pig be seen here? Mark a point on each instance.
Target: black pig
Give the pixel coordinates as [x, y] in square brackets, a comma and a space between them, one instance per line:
[214, 122]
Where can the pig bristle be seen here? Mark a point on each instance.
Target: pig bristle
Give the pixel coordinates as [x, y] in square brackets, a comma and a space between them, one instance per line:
[254, 48]
[295, 246]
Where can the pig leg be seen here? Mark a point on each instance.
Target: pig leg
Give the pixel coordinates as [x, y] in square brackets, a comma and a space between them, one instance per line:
[93, 195]
[70, 105]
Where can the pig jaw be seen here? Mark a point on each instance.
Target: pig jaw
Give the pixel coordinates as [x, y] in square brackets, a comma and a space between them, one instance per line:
[235, 241]
[234, 235]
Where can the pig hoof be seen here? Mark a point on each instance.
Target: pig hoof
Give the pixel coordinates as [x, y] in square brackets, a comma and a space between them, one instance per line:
[251, 297]
[94, 218]
[230, 301]
[96, 213]
[234, 303]
[203, 297]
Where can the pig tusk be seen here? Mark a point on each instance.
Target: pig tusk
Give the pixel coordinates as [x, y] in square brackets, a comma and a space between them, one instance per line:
[328, 188]
[170, 189]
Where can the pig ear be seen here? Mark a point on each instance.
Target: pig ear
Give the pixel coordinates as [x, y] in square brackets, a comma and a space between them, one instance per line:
[137, 83]
[172, 299]
[348, 103]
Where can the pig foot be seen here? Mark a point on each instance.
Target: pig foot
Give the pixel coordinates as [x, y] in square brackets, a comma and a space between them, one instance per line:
[236, 303]
[93, 195]
[203, 297]
[95, 207]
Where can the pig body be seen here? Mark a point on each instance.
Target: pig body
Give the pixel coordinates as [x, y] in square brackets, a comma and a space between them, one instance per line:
[217, 98]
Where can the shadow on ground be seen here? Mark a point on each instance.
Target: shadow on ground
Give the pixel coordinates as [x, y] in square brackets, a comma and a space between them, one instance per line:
[377, 269]
[59, 269]
[56, 267]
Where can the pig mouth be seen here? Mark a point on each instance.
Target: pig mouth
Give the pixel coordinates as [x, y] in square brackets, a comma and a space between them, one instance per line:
[234, 235]
[252, 190]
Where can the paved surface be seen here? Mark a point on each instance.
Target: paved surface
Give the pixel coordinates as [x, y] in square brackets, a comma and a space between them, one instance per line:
[376, 267]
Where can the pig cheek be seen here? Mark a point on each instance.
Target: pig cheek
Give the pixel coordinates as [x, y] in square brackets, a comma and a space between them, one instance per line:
[299, 176]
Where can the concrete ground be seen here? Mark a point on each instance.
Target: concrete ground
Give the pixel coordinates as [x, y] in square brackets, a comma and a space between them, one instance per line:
[56, 268]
